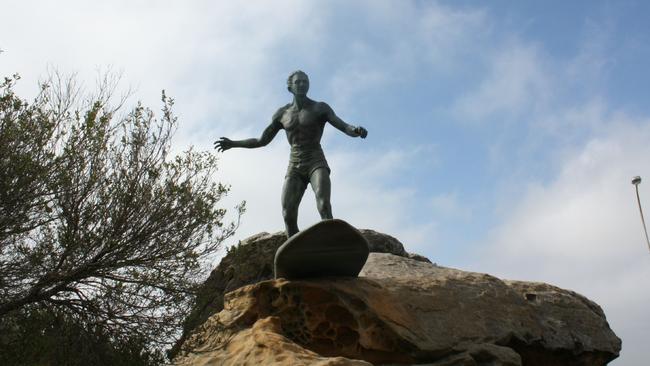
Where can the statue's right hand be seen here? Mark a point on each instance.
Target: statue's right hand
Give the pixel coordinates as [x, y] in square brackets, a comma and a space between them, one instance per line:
[223, 144]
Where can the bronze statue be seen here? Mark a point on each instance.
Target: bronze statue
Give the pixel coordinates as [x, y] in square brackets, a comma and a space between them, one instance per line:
[303, 120]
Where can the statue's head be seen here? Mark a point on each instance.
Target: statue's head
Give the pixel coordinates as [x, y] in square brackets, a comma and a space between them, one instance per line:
[298, 83]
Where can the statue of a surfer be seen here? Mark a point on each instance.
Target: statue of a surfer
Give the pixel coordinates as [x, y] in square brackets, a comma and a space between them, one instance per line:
[303, 121]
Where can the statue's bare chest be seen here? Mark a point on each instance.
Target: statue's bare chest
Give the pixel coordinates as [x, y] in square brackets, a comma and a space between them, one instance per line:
[301, 120]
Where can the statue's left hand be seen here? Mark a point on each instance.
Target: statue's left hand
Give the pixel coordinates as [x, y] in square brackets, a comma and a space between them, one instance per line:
[361, 132]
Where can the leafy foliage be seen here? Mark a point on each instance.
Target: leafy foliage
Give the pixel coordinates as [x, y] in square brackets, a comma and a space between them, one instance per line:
[98, 222]
[37, 335]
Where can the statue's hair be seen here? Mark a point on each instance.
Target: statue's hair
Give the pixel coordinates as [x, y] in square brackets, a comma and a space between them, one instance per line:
[294, 74]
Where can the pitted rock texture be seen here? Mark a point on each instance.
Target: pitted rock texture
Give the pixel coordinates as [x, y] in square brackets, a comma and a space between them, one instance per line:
[251, 261]
[403, 312]
[260, 345]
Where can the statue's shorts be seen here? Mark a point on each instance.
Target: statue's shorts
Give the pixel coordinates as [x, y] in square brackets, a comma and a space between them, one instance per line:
[304, 160]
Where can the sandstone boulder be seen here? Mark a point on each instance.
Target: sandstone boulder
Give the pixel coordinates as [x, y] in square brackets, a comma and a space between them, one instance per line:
[251, 261]
[403, 312]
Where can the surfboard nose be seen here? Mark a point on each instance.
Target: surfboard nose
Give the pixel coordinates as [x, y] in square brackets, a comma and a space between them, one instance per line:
[329, 248]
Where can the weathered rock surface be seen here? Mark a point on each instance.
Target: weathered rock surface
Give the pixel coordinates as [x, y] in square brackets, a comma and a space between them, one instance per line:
[403, 312]
[252, 261]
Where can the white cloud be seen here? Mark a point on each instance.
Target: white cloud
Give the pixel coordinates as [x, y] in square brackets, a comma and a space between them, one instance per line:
[211, 56]
[449, 34]
[368, 199]
[582, 231]
[425, 36]
[516, 82]
[448, 205]
[589, 66]
[573, 122]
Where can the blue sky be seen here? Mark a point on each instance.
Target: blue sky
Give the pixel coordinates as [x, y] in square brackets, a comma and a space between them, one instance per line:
[503, 135]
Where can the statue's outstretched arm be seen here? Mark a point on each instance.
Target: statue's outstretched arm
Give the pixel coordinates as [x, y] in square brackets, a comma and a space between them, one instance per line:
[269, 133]
[353, 131]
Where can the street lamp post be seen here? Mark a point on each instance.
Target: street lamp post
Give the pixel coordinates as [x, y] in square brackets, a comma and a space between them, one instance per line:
[636, 181]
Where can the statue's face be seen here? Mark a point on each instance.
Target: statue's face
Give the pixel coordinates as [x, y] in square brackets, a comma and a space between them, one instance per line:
[299, 84]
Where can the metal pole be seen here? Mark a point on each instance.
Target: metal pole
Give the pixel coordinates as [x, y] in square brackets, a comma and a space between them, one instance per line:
[636, 181]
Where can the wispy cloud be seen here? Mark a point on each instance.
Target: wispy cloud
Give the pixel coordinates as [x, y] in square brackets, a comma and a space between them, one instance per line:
[515, 84]
[448, 205]
[582, 231]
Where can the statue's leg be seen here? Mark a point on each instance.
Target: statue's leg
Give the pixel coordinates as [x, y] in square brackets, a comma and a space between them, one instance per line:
[292, 191]
[320, 183]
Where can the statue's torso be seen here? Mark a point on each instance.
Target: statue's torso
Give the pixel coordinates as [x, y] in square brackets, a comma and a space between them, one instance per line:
[304, 126]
